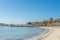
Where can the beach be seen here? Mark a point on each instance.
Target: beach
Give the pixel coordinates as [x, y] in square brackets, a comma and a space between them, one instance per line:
[53, 34]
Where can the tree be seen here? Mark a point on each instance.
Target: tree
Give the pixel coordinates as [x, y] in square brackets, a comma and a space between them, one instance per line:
[51, 20]
[29, 23]
[57, 20]
[45, 22]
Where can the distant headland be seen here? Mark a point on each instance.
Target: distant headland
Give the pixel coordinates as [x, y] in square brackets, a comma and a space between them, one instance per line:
[14, 25]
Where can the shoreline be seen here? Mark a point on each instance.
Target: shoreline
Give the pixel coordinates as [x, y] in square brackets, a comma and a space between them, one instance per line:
[53, 34]
[46, 34]
[40, 35]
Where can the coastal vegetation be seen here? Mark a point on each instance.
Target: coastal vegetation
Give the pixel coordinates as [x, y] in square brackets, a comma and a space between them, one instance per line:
[49, 22]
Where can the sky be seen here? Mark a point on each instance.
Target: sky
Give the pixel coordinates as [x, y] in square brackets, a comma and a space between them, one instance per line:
[22, 11]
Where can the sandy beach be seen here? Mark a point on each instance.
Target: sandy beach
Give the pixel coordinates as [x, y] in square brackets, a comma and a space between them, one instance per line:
[53, 34]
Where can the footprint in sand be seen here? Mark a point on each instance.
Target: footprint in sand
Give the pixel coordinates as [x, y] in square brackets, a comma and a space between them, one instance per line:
[58, 37]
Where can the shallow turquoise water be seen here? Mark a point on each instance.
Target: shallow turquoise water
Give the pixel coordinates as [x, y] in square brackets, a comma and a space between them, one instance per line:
[19, 33]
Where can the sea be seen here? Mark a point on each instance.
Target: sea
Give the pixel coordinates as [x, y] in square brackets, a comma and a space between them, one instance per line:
[19, 33]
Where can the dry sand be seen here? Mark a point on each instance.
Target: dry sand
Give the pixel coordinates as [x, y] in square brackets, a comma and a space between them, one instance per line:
[53, 34]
